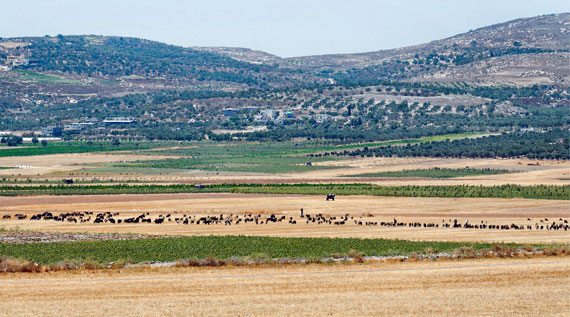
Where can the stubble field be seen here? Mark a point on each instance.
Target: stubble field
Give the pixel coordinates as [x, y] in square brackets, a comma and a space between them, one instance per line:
[536, 286]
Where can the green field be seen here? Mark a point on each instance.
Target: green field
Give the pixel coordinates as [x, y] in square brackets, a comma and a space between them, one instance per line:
[502, 191]
[227, 163]
[220, 247]
[201, 150]
[44, 78]
[251, 157]
[280, 157]
[75, 147]
[437, 173]
[250, 149]
[244, 157]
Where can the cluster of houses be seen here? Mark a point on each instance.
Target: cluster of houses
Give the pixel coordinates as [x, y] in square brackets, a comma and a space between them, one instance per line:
[78, 127]
[271, 115]
[265, 115]
[17, 60]
[14, 61]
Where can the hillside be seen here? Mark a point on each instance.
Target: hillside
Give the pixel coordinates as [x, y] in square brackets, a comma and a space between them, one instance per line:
[517, 51]
[500, 78]
[244, 54]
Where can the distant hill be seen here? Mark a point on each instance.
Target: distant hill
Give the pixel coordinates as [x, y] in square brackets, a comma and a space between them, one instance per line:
[548, 32]
[122, 56]
[520, 52]
[511, 76]
[244, 54]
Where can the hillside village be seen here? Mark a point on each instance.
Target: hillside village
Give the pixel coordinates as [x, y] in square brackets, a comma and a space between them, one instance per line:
[77, 88]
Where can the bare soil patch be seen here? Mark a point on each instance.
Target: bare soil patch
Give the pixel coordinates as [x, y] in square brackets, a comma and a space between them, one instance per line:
[31, 236]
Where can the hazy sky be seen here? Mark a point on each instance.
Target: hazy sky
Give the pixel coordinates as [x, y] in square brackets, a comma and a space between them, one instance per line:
[285, 28]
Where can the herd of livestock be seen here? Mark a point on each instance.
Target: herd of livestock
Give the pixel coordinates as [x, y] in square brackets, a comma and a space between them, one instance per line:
[259, 219]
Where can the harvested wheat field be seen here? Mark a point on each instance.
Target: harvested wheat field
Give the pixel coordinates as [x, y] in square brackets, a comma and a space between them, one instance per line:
[360, 209]
[535, 286]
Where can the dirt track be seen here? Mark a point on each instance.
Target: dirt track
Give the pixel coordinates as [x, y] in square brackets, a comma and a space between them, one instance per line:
[536, 286]
[435, 210]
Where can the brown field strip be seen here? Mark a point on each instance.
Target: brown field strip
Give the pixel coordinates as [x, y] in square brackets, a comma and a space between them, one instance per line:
[362, 208]
[536, 286]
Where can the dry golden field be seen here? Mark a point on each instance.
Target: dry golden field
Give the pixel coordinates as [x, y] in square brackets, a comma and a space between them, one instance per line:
[535, 287]
[362, 208]
[54, 167]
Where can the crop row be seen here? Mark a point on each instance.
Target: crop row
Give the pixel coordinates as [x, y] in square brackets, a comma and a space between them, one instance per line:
[502, 191]
[74, 147]
[221, 247]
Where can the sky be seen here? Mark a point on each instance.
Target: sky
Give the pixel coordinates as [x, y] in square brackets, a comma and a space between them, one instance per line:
[285, 28]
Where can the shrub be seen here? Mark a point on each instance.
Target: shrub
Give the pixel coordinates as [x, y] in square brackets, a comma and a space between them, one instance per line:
[356, 256]
[465, 252]
[11, 265]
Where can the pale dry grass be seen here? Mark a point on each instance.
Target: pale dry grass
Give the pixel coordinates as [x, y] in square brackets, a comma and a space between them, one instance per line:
[11, 44]
[547, 172]
[46, 164]
[537, 286]
[430, 210]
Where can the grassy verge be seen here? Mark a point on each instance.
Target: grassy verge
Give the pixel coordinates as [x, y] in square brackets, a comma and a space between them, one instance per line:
[437, 173]
[455, 191]
[220, 247]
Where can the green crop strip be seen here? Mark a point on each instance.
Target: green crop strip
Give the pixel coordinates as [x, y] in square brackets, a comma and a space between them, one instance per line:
[74, 147]
[222, 247]
[453, 191]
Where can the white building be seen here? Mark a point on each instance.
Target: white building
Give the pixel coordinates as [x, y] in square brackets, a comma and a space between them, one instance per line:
[51, 131]
[16, 61]
[266, 115]
[73, 127]
[119, 120]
